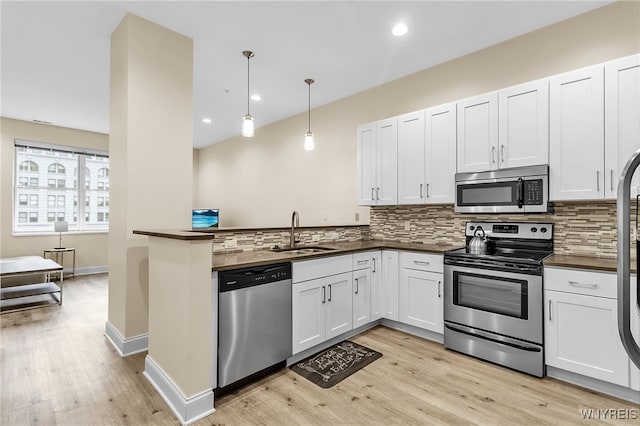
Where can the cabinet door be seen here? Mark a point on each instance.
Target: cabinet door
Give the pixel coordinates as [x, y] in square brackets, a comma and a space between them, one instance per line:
[441, 154]
[581, 335]
[576, 131]
[339, 307]
[308, 313]
[622, 120]
[421, 299]
[389, 287]
[411, 158]
[361, 297]
[478, 133]
[367, 159]
[376, 286]
[524, 125]
[387, 162]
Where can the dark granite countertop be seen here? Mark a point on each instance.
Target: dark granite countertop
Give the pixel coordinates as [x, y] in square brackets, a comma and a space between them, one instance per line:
[596, 263]
[175, 234]
[232, 260]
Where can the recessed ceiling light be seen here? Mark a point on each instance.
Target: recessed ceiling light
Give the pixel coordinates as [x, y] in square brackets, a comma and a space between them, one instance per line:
[256, 97]
[399, 29]
[206, 120]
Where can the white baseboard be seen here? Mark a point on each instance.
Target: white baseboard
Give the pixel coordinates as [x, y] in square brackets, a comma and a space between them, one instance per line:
[416, 331]
[89, 270]
[594, 384]
[128, 346]
[187, 410]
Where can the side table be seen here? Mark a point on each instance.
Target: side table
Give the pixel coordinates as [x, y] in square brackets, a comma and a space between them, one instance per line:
[57, 255]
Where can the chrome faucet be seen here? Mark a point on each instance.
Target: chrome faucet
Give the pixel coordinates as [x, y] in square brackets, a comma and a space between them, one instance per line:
[295, 221]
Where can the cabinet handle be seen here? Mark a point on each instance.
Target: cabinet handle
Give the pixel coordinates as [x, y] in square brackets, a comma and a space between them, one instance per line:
[329, 300]
[493, 152]
[439, 293]
[502, 153]
[377, 193]
[420, 262]
[357, 286]
[549, 309]
[427, 190]
[373, 197]
[374, 264]
[360, 262]
[420, 190]
[583, 285]
[324, 294]
[611, 179]
[598, 180]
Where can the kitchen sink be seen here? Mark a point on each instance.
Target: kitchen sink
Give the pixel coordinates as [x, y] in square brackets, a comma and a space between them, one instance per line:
[302, 249]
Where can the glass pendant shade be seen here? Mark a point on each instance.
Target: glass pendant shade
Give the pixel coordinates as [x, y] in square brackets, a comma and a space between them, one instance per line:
[247, 126]
[308, 142]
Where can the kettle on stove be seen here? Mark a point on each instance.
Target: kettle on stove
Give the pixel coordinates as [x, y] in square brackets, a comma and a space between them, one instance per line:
[478, 244]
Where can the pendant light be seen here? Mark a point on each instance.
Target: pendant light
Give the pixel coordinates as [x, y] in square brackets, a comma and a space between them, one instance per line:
[308, 137]
[247, 120]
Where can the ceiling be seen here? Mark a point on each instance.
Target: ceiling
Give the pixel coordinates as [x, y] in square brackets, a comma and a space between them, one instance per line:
[55, 55]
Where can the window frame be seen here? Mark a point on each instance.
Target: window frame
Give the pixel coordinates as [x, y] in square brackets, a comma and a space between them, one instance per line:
[23, 176]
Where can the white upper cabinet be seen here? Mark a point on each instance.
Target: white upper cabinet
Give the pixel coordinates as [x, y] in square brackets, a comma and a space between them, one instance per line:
[367, 158]
[378, 163]
[411, 158]
[426, 155]
[478, 133]
[508, 128]
[441, 153]
[576, 129]
[622, 119]
[523, 122]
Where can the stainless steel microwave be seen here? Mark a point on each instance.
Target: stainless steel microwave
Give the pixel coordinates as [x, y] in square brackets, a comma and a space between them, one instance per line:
[514, 190]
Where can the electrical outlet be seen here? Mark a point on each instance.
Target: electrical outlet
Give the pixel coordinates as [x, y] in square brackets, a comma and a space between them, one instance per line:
[357, 217]
[407, 225]
[231, 243]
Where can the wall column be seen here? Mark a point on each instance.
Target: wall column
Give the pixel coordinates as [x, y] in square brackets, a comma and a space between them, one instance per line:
[151, 150]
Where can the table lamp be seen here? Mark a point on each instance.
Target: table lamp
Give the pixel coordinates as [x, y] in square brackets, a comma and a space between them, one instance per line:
[60, 227]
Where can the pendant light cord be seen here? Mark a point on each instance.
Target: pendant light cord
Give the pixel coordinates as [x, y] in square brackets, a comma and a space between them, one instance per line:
[309, 129]
[248, 91]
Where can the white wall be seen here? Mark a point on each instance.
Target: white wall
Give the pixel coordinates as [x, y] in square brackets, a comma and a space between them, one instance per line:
[91, 249]
[258, 182]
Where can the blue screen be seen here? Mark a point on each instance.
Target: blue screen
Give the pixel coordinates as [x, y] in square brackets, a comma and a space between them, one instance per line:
[204, 218]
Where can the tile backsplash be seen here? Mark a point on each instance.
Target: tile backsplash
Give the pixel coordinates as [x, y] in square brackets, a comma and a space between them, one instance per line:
[580, 228]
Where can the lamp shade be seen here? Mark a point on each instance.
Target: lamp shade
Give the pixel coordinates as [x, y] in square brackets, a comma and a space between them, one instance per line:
[61, 226]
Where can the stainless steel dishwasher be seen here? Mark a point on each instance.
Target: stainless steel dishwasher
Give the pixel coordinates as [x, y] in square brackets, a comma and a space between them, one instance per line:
[254, 320]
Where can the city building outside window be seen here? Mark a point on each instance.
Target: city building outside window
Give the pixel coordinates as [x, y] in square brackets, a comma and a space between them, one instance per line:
[38, 205]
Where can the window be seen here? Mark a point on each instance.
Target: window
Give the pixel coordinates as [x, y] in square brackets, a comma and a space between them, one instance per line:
[56, 168]
[28, 166]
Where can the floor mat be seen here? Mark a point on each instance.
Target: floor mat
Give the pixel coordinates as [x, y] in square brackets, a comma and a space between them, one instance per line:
[336, 363]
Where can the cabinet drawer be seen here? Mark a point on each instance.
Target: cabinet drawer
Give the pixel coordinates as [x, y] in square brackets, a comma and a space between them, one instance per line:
[363, 260]
[317, 268]
[421, 261]
[600, 284]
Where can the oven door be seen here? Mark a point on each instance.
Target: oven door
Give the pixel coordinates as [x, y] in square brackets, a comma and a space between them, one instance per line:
[505, 303]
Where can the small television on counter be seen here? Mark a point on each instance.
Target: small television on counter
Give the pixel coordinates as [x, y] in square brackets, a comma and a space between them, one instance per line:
[204, 218]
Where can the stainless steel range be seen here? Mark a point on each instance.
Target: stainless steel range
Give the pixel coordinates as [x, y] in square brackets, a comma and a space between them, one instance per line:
[493, 294]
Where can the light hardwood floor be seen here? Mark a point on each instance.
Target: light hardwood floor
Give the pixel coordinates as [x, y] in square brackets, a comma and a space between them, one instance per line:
[57, 368]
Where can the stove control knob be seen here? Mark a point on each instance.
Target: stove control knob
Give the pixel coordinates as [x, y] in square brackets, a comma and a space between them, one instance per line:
[534, 229]
[471, 228]
[543, 230]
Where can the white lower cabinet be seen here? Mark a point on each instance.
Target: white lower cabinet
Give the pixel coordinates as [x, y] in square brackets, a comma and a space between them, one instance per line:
[581, 329]
[389, 285]
[361, 297]
[322, 309]
[321, 305]
[420, 291]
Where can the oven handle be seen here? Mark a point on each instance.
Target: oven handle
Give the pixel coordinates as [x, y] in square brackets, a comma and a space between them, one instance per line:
[520, 193]
[485, 336]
